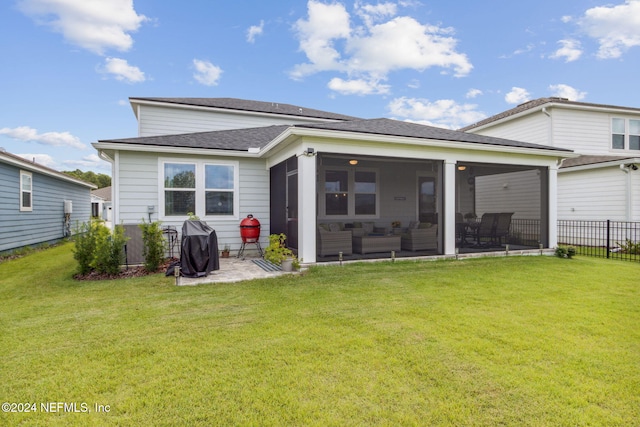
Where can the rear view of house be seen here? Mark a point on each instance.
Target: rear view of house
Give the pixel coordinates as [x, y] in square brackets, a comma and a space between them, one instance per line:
[334, 184]
[38, 204]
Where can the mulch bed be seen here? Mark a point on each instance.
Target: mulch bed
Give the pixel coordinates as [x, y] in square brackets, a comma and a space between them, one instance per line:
[136, 271]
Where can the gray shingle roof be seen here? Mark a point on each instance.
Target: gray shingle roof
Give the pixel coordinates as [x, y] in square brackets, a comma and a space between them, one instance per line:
[243, 139]
[254, 106]
[414, 130]
[234, 139]
[530, 105]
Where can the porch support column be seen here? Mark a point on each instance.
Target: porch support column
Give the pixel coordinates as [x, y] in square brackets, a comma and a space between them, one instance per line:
[448, 221]
[307, 208]
[549, 228]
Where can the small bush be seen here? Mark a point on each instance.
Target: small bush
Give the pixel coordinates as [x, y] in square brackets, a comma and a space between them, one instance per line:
[565, 252]
[85, 245]
[154, 245]
[630, 247]
[109, 254]
[97, 248]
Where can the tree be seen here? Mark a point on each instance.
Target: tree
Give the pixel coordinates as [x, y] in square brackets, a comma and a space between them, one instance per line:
[99, 179]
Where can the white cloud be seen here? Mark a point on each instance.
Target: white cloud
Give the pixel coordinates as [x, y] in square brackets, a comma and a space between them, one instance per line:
[206, 73]
[570, 49]
[566, 91]
[472, 93]
[95, 25]
[616, 28]
[357, 87]
[122, 71]
[517, 95]
[55, 139]
[254, 31]
[92, 161]
[369, 52]
[443, 113]
[41, 159]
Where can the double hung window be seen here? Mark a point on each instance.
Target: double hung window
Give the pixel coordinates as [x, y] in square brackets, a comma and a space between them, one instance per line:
[625, 134]
[26, 191]
[350, 193]
[205, 189]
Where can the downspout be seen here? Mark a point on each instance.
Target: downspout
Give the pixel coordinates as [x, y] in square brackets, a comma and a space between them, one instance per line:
[626, 169]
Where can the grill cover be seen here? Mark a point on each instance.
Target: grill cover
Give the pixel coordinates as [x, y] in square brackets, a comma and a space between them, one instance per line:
[199, 249]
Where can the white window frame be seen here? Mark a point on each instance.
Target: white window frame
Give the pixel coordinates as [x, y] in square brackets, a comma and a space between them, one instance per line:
[200, 190]
[351, 203]
[23, 191]
[626, 136]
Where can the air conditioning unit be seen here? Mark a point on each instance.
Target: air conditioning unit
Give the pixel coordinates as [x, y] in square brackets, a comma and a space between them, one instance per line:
[68, 206]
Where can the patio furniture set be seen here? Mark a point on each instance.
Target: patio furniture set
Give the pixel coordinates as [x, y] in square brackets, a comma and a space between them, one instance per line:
[364, 238]
[487, 232]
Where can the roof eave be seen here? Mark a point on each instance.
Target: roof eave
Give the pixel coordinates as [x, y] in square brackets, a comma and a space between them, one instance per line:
[34, 167]
[362, 136]
[149, 102]
[600, 165]
[120, 146]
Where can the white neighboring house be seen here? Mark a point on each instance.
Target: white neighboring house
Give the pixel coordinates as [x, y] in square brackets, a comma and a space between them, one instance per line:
[101, 205]
[604, 181]
[293, 168]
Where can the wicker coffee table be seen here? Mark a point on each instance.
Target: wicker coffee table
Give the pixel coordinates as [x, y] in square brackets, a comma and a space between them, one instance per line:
[371, 244]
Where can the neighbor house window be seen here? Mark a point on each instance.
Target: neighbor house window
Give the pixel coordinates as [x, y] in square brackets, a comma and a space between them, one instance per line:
[350, 193]
[26, 191]
[625, 134]
[201, 188]
[634, 134]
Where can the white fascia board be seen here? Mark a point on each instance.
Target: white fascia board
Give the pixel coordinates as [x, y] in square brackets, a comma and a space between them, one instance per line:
[34, 167]
[600, 165]
[227, 110]
[100, 146]
[377, 138]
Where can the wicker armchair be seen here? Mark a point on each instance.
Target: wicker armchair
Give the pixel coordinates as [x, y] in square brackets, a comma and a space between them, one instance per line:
[334, 242]
[420, 239]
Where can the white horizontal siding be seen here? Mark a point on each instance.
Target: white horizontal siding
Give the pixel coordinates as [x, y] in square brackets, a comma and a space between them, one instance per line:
[592, 195]
[139, 187]
[154, 120]
[517, 192]
[585, 132]
[533, 128]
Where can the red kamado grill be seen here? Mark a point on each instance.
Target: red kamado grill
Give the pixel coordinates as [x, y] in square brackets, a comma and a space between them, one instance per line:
[250, 233]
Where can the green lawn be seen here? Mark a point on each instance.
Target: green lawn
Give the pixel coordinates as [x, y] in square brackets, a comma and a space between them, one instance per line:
[516, 341]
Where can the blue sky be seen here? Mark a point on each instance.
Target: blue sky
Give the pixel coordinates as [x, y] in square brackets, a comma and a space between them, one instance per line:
[69, 66]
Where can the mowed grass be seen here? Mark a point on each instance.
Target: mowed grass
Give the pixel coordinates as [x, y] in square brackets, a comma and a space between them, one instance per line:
[518, 341]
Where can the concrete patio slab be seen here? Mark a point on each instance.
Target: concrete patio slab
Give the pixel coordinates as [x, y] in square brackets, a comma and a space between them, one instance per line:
[232, 270]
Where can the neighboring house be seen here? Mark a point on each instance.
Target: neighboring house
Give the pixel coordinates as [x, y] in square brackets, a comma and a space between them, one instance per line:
[38, 204]
[294, 168]
[604, 182]
[101, 204]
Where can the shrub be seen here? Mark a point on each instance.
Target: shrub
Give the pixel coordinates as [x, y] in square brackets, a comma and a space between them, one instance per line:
[565, 252]
[630, 247]
[154, 245]
[109, 253]
[85, 245]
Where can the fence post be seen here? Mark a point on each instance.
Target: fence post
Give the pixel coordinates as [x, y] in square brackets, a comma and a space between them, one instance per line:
[608, 237]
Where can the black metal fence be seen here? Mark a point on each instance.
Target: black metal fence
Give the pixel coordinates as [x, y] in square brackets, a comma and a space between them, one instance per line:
[605, 239]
